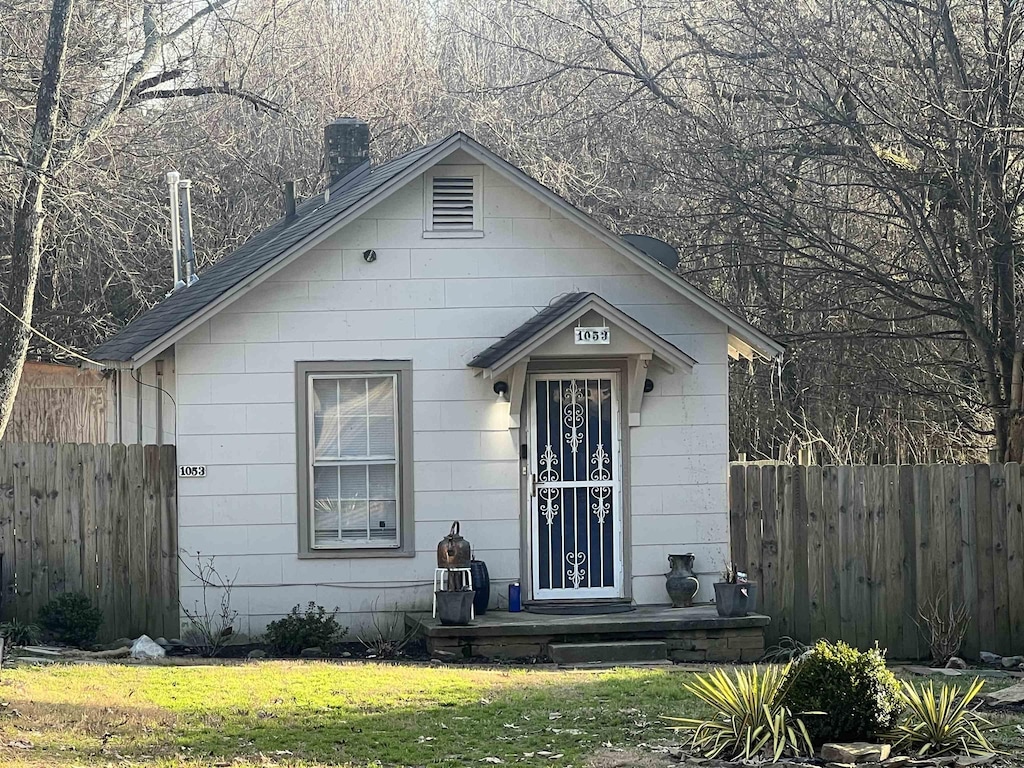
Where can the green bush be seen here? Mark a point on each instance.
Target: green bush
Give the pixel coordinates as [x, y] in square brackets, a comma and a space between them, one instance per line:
[16, 633]
[313, 628]
[71, 618]
[859, 695]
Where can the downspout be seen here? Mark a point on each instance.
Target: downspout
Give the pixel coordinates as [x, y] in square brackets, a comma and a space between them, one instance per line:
[138, 407]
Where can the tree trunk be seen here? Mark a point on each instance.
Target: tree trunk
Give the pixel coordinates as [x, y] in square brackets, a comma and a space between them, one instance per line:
[27, 240]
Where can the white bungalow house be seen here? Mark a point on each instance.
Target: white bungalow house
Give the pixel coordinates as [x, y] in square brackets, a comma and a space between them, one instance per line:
[437, 338]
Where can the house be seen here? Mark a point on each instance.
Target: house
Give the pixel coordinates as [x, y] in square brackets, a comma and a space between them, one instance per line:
[438, 338]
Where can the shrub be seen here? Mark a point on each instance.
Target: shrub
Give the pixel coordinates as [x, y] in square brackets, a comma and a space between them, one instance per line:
[859, 694]
[313, 628]
[750, 720]
[71, 618]
[16, 633]
[942, 725]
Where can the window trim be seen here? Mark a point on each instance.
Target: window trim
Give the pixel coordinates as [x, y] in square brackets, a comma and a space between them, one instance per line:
[447, 171]
[305, 371]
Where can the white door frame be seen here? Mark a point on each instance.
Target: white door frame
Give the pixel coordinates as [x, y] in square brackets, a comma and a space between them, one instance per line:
[616, 484]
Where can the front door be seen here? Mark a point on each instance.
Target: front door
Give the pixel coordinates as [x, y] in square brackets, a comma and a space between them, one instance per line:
[575, 486]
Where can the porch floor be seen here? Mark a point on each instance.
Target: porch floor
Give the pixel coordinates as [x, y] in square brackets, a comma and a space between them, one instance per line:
[690, 634]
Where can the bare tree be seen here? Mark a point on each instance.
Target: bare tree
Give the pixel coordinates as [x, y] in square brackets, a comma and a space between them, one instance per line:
[84, 86]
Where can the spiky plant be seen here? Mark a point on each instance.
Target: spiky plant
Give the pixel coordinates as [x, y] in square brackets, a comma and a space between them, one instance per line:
[942, 723]
[750, 720]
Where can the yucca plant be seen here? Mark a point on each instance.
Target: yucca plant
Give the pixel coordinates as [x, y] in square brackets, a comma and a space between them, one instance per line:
[750, 720]
[942, 723]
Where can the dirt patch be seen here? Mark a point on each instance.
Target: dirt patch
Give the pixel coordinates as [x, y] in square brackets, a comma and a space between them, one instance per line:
[629, 758]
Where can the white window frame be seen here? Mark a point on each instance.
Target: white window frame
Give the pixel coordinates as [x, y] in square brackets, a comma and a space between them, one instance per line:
[362, 461]
[474, 172]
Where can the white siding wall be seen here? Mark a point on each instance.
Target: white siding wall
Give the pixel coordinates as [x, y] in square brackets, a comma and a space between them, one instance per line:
[436, 302]
[127, 405]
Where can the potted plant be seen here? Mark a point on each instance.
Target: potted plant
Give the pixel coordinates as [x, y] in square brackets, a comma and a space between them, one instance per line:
[455, 606]
[734, 595]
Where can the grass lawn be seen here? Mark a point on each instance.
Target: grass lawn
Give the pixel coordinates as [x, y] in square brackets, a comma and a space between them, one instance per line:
[315, 714]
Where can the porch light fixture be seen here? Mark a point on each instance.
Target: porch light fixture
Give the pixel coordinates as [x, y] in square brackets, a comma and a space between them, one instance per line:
[648, 386]
[501, 389]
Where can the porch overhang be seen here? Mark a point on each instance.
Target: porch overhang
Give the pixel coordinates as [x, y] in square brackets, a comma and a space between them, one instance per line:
[548, 335]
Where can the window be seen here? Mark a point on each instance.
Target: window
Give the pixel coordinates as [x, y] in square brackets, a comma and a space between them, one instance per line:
[452, 202]
[355, 459]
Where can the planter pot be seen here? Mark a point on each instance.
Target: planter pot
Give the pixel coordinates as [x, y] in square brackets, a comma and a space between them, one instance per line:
[482, 585]
[455, 608]
[735, 599]
[680, 583]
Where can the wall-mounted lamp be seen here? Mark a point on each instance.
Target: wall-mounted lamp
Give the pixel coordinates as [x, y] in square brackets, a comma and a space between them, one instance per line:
[648, 386]
[501, 389]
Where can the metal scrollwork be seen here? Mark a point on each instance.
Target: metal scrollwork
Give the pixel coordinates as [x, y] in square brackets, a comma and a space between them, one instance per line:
[576, 574]
[574, 415]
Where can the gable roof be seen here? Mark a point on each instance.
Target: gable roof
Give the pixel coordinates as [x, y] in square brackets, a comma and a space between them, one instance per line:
[317, 218]
[520, 342]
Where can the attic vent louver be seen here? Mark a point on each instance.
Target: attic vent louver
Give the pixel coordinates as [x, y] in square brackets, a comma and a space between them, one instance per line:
[452, 203]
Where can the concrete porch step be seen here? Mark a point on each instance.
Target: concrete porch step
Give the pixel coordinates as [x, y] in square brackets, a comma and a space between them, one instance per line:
[624, 652]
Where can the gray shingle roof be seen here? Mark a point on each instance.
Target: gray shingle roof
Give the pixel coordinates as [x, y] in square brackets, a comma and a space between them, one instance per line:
[255, 253]
[550, 314]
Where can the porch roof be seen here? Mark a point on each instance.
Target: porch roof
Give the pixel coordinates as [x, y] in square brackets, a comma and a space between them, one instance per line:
[518, 344]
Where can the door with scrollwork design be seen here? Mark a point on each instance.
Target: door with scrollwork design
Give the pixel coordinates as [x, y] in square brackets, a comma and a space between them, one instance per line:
[576, 510]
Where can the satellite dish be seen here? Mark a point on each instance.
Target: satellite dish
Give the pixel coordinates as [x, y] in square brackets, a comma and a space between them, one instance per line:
[659, 250]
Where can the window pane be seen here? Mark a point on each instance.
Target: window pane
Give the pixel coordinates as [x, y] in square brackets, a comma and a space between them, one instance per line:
[353, 521]
[325, 417]
[353, 482]
[382, 481]
[353, 397]
[383, 521]
[381, 396]
[382, 436]
[352, 442]
[325, 504]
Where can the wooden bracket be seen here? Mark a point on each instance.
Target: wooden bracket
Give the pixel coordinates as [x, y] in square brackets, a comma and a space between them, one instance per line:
[637, 372]
[516, 390]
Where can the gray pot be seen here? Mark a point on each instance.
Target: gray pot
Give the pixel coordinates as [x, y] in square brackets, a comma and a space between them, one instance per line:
[735, 599]
[455, 608]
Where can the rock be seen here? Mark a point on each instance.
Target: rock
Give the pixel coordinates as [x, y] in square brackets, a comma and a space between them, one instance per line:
[177, 642]
[990, 658]
[162, 642]
[918, 670]
[43, 651]
[346, 655]
[965, 762]
[145, 648]
[256, 653]
[897, 761]
[312, 653]
[109, 653]
[1005, 697]
[857, 752]
[956, 663]
[1011, 662]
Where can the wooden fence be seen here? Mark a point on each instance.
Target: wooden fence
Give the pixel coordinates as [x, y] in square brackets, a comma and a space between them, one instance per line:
[98, 519]
[855, 552]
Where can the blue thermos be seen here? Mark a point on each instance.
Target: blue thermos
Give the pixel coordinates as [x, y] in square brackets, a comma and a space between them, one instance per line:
[515, 602]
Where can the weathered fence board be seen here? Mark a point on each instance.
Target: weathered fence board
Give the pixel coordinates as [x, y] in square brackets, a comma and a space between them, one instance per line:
[97, 519]
[857, 552]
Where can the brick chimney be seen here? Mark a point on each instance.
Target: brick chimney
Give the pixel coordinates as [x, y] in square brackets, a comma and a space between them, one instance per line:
[346, 146]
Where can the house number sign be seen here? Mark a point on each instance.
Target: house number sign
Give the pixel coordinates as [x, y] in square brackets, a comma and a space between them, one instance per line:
[191, 470]
[592, 335]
